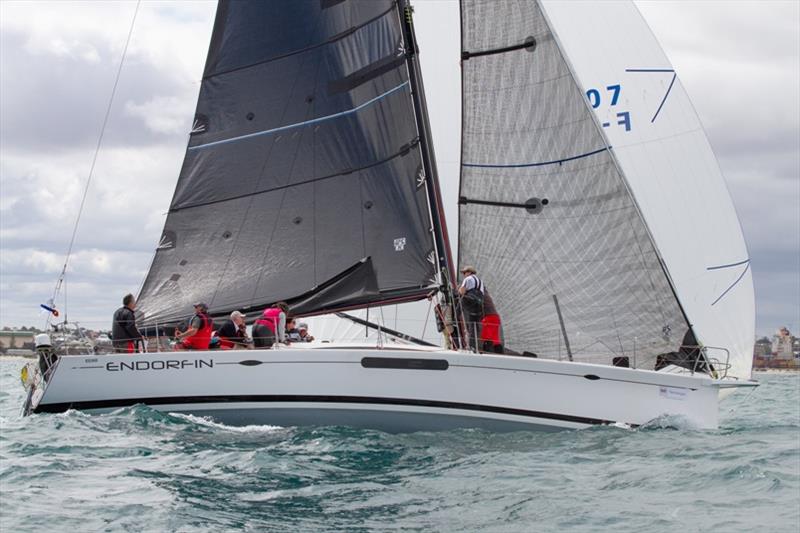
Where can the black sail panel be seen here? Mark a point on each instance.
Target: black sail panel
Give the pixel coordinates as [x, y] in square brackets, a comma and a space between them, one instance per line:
[302, 162]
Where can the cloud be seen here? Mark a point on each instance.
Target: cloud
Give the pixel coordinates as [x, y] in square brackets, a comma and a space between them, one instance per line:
[163, 114]
[740, 65]
[55, 85]
[57, 78]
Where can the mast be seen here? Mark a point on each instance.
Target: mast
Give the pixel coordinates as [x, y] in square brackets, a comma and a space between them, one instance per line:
[444, 259]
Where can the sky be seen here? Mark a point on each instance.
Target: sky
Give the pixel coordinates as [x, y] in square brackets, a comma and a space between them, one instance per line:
[738, 60]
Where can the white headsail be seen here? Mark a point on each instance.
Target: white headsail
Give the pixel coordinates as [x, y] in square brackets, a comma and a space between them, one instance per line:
[590, 197]
[662, 150]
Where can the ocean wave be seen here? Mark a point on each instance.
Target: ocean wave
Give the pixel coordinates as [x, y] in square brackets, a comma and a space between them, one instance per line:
[210, 423]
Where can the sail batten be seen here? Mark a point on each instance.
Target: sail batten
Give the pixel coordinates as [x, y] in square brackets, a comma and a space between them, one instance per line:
[538, 164]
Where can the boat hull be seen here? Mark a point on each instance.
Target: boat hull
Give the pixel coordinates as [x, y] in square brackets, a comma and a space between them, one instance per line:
[388, 389]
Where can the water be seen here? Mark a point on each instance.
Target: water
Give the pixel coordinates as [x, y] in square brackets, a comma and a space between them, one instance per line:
[141, 470]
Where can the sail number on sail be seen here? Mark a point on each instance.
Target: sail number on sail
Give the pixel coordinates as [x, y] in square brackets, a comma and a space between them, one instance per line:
[623, 117]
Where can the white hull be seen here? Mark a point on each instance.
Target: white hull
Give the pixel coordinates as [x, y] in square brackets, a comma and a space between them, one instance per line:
[422, 389]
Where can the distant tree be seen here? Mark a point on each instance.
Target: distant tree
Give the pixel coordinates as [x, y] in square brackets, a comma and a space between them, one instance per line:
[763, 340]
[6, 328]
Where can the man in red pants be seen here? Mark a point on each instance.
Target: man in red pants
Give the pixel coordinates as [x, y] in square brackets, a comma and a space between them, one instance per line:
[490, 336]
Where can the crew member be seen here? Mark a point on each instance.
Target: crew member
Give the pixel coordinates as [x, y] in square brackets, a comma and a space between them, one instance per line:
[124, 333]
[302, 328]
[490, 336]
[198, 336]
[271, 327]
[233, 334]
[292, 334]
[471, 292]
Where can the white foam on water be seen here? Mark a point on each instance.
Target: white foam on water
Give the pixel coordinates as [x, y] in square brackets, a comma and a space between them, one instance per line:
[208, 422]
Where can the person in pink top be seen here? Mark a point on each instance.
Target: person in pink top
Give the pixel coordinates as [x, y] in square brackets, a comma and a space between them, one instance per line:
[271, 327]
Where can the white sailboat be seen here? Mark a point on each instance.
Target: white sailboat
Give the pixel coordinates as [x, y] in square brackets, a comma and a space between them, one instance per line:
[590, 202]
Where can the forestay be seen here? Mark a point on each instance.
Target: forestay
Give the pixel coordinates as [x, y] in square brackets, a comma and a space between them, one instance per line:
[302, 175]
[547, 213]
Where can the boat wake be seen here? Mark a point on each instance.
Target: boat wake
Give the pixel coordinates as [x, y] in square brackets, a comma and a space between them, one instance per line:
[210, 423]
[675, 422]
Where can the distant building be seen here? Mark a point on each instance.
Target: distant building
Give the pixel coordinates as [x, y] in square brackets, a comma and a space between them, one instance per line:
[16, 339]
[782, 344]
[763, 348]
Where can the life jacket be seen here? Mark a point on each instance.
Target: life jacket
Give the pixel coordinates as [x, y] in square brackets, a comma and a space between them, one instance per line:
[472, 301]
[201, 339]
[271, 318]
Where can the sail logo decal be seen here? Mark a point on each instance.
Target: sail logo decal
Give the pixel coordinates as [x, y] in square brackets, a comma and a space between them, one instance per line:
[669, 89]
[672, 393]
[595, 99]
[400, 244]
[161, 364]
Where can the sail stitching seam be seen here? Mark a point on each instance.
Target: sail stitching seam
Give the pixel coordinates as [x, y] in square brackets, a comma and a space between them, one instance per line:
[250, 203]
[403, 150]
[339, 36]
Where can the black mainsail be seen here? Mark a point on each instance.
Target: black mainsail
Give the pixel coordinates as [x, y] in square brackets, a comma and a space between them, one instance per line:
[545, 213]
[306, 177]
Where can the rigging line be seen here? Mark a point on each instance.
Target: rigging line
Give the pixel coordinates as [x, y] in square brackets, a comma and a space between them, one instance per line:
[303, 123]
[427, 318]
[541, 164]
[96, 153]
[732, 284]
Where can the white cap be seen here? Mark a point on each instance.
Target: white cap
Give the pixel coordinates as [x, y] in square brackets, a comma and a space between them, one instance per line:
[42, 339]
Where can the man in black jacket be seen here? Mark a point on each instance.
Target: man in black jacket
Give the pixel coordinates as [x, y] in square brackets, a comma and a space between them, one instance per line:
[233, 334]
[123, 330]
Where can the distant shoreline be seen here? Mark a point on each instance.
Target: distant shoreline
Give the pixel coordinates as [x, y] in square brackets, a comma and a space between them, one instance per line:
[776, 370]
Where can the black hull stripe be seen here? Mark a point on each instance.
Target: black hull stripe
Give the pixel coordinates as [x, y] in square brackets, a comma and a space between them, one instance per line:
[279, 398]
